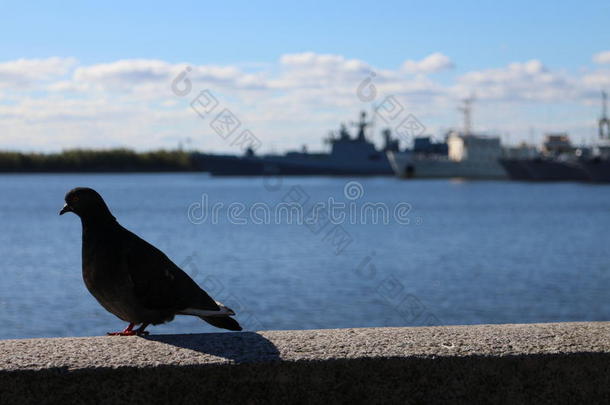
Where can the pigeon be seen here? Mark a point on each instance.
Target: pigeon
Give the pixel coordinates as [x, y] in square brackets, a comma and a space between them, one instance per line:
[131, 278]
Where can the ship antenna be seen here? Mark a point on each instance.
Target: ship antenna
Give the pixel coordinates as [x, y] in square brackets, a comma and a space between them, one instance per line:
[372, 122]
[604, 122]
[362, 125]
[466, 109]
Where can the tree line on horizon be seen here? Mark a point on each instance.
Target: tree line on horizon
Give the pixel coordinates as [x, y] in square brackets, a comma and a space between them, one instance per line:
[91, 160]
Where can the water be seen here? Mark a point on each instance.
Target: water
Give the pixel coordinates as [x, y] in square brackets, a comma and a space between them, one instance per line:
[473, 252]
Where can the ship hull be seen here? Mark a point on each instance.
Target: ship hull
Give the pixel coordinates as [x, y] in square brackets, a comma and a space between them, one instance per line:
[545, 170]
[516, 169]
[226, 165]
[598, 170]
[406, 166]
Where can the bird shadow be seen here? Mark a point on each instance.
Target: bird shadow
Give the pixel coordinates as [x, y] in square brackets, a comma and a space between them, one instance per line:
[243, 347]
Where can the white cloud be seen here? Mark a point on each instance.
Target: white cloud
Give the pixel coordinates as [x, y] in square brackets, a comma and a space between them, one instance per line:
[293, 101]
[529, 80]
[602, 57]
[433, 63]
[124, 72]
[597, 80]
[150, 76]
[328, 62]
[22, 72]
[314, 70]
[514, 72]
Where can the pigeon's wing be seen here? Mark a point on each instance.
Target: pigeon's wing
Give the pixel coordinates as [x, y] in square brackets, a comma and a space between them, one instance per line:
[158, 282]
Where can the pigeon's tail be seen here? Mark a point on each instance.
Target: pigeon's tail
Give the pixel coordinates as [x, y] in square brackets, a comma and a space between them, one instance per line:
[219, 318]
[224, 322]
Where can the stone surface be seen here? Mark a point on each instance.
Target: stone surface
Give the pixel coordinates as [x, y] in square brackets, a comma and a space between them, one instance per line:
[555, 362]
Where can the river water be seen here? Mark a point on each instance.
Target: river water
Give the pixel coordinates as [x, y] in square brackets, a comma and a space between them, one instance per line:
[388, 253]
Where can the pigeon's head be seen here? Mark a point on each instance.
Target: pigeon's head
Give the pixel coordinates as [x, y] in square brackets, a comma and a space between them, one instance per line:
[86, 203]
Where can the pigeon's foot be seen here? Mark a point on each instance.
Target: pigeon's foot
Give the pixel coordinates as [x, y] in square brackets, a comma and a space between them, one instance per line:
[123, 333]
[129, 331]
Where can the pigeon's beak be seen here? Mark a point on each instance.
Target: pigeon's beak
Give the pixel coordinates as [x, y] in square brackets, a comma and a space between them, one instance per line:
[65, 209]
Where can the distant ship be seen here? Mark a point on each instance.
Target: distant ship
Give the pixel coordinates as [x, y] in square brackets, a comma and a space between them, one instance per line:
[561, 161]
[598, 166]
[558, 161]
[468, 156]
[348, 156]
[463, 155]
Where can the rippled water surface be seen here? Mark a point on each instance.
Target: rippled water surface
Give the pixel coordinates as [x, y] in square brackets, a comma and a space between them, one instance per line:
[472, 252]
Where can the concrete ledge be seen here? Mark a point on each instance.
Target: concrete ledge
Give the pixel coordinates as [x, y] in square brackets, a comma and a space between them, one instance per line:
[554, 363]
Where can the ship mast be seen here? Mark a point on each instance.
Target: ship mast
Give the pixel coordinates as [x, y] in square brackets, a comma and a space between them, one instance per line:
[466, 109]
[604, 122]
[362, 125]
[372, 123]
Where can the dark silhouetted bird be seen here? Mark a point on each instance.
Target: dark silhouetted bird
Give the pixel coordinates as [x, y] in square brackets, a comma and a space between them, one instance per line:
[133, 279]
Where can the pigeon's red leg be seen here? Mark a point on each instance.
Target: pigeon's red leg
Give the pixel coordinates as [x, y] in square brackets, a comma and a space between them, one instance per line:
[127, 332]
[140, 331]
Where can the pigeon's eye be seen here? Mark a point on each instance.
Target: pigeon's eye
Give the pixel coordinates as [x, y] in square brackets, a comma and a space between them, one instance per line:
[74, 199]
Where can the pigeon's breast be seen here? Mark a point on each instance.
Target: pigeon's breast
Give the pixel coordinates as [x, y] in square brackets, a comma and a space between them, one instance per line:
[108, 276]
[106, 279]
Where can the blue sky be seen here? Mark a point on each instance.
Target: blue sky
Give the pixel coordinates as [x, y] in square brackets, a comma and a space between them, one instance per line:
[479, 42]
[476, 33]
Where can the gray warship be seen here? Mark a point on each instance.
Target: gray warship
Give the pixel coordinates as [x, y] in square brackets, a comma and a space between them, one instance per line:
[348, 156]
